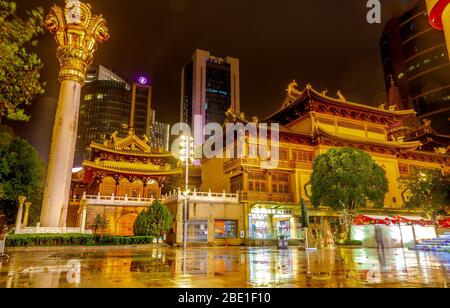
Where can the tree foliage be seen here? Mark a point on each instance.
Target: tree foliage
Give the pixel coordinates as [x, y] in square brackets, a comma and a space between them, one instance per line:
[154, 222]
[19, 68]
[21, 174]
[429, 191]
[347, 179]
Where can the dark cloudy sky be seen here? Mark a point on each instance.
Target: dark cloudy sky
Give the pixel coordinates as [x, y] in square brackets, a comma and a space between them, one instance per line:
[327, 43]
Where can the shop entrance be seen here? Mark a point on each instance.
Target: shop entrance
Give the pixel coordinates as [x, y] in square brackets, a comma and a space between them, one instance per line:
[283, 227]
[269, 224]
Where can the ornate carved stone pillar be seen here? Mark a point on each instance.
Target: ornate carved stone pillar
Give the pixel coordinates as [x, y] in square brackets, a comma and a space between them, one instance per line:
[83, 214]
[18, 226]
[27, 214]
[77, 33]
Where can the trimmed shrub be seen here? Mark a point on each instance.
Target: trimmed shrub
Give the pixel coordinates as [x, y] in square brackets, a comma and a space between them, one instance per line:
[50, 240]
[153, 222]
[349, 243]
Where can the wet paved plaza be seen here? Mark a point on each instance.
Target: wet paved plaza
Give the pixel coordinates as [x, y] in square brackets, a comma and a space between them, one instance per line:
[228, 267]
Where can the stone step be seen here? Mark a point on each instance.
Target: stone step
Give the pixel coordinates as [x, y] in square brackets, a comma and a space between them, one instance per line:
[428, 247]
[433, 242]
[432, 246]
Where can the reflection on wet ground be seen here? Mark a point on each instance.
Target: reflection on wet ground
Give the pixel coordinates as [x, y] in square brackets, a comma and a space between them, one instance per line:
[224, 268]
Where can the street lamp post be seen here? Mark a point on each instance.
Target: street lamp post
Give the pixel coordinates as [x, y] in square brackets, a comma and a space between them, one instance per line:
[187, 157]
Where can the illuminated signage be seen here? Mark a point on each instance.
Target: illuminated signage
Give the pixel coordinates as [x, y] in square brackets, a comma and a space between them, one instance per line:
[271, 212]
[143, 80]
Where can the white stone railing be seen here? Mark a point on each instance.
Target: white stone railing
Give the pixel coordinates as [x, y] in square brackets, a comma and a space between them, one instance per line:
[175, 196]
[115, 200]
[204, 197]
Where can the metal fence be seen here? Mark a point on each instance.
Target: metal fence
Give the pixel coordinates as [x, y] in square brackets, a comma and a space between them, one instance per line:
[197, 231]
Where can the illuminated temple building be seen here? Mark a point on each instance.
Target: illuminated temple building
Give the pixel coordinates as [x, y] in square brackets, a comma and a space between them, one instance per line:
[122, 178]
[310, 124]
[240, 202]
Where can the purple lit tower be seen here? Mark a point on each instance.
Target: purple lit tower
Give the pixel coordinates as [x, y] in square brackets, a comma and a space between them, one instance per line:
[141, 105]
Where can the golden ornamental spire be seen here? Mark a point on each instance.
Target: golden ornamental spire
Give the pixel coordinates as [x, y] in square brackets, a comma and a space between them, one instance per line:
[77, 33]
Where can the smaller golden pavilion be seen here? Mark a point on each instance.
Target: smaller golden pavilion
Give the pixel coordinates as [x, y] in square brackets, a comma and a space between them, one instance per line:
[122, 177]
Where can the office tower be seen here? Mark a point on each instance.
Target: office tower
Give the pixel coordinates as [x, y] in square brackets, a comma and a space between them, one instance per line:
[158, 134]
[102, 73]
[141, 101]
[210, 86]
[415, 55]
[104, 109]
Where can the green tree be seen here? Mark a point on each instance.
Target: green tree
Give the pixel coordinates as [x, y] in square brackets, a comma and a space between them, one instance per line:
[346, 180]
[155, 221]
[100, 223]
[19, 68]
[428, 191]
[21, 174]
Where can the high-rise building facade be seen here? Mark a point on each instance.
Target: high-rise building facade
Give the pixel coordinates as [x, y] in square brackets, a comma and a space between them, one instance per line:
[415, 55]
[104, 109]
[158, 134]
[102, 73]
[109, 104]
[210, 86]
[141, 102]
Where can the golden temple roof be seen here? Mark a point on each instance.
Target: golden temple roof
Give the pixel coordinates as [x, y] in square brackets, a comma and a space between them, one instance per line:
[132, 168]
[296, 96]
[157, 165]
[402, 145]
[131, 145]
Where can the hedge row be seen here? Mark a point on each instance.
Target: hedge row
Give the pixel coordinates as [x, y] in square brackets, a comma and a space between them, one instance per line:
[46, 240]
[349, 243]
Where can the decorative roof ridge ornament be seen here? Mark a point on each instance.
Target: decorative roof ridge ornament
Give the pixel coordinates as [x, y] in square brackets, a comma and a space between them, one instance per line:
[145, 138]
[427, 126]
[340, 96]
[114, 137]
[441, 150]
[292, 89]
[292, 94]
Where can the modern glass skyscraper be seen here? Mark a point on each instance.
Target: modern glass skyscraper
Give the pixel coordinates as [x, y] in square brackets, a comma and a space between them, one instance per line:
[416, 56]
[210, 86]
[109, 104]
[104, 109]
[158, 134]
[141, 102]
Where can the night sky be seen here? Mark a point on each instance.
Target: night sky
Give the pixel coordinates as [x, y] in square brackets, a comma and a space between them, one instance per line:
[327, 43]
